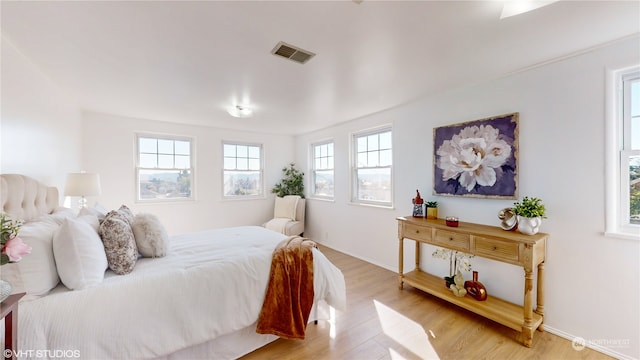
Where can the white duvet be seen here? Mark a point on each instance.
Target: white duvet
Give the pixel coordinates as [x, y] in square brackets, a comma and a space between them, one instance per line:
[210, 284]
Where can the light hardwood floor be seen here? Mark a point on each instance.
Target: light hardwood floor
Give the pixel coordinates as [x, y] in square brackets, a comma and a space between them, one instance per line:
[384, 322]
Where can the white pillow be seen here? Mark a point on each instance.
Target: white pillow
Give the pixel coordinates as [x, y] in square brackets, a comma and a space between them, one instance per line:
[79, 253]
[151, 236]
[60, 214]
[97, 210]
[36, 273]
[286, 207]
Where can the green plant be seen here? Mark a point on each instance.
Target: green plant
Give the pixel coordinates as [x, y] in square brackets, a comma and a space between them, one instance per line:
[529, 207]
[431, 204]
[291, 184]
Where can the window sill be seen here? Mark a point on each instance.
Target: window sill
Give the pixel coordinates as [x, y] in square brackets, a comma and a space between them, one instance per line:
[243, 198]
[164, 201]
[387, 207]
[319, 198]
[622, 235]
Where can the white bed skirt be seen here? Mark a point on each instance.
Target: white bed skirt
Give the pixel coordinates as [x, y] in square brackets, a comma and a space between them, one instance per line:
[230, 346]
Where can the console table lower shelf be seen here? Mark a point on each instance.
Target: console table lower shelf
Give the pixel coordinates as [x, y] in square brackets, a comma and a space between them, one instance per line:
[498, 310]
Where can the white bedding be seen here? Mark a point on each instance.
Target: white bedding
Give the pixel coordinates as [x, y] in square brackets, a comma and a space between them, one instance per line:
[210, 284]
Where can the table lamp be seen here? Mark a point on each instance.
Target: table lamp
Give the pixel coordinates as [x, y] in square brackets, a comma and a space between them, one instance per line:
[82, 184]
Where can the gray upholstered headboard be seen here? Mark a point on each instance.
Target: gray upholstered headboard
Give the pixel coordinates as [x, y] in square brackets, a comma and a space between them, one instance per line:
[25, 198]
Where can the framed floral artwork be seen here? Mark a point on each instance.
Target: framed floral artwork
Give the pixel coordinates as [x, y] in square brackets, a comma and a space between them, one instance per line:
[477, 158]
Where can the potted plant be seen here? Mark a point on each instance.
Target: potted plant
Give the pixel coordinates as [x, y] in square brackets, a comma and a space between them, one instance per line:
[529, 212]
[291, 184]
[432, 209]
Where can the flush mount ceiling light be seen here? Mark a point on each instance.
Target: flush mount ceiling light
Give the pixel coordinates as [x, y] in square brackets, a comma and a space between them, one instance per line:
[240, 111]
[517, 7]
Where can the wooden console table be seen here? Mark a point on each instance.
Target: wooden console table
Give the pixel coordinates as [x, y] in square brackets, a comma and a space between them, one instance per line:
[527, 251]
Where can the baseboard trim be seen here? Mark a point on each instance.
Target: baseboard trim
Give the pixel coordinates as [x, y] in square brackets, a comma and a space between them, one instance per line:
[331, 246]
[578, 342]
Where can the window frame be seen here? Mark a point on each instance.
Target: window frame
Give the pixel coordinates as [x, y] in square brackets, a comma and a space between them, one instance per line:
[260, 187]
[619, 153]
[354, 188]
[313, 169]
[138, 167]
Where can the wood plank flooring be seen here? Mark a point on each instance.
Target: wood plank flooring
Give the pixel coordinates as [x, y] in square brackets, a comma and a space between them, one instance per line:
[384, 322]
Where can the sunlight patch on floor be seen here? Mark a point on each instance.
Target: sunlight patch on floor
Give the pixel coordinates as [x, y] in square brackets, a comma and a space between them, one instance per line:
[332, 322]
[406, 332]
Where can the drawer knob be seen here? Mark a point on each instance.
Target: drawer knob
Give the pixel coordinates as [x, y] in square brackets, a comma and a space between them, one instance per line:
[417, 231]
[450, 239]
[495, 248]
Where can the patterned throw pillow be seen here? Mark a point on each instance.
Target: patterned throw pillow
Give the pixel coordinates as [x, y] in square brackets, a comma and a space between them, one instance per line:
[119, 242]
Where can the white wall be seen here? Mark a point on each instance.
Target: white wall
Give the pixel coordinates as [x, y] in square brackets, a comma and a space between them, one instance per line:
[40, 125]
[592, 281]
[110, 151]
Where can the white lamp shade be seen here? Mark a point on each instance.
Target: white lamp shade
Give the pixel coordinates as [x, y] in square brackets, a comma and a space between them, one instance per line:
[82, 184]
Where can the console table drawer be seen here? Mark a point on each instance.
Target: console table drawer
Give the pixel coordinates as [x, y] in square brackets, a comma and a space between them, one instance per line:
[496, 249]
[453, 239]
[418, 232]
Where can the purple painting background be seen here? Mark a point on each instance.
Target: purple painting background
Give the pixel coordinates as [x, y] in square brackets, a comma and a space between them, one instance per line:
[506, 185]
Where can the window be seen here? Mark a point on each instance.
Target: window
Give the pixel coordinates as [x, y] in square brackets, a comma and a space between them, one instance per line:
[164, 168]
[624, 210]
[242, 170]
[322, 170]
[371, 171]
[630, 154]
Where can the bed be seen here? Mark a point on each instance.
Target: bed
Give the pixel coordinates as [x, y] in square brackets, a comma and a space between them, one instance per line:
[200, 301]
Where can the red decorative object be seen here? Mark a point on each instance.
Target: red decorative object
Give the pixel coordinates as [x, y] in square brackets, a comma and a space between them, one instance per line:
[417, 205]
[475, 288]
[451, 221]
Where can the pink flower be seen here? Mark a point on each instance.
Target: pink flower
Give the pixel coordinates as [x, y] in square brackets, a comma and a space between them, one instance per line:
[15, 248]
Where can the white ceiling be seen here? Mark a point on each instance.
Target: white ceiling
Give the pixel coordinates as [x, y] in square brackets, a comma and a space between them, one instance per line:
[187, 62]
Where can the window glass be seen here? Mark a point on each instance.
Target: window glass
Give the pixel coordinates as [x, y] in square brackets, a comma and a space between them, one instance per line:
[372, 177]
[164, 168]
[242, 173]
[322, 170]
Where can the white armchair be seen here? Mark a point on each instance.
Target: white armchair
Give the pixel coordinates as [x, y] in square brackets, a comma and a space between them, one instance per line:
[288, 215]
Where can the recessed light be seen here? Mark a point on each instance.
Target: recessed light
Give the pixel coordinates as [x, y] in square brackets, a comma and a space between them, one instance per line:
[240, 111]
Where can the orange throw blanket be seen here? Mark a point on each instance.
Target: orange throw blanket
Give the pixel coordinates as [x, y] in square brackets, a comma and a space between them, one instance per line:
[289, 295]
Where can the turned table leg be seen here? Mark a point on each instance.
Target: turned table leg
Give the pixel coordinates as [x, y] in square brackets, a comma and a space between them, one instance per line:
[540, 295]
[527, 327]
[417, 255]
[400, 261]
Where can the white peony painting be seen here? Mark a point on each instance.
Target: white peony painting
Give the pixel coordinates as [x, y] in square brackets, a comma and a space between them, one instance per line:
[477, 158]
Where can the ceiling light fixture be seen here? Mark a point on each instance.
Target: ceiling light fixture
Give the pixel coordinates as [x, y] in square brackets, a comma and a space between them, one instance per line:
[517, 7]
[240, 111]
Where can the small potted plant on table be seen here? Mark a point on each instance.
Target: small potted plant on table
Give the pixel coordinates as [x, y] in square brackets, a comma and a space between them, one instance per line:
[432, 209]
[530, 212]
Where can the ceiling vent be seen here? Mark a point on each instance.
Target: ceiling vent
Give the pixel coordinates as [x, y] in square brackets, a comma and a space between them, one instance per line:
[292, 53]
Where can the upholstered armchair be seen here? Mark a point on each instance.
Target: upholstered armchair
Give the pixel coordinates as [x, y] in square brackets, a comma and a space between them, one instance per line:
[288, 215]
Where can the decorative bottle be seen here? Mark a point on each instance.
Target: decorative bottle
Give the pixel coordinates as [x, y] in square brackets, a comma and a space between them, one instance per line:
[417, 205]
[475, 288]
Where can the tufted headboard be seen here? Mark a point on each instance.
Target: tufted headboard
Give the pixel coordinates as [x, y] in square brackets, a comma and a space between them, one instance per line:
[25, 198]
